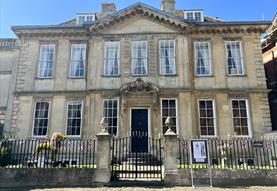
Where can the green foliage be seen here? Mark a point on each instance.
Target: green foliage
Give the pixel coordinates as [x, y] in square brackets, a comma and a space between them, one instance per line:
[5, 156]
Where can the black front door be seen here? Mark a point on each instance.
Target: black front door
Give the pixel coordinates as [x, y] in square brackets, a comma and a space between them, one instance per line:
[139, 130]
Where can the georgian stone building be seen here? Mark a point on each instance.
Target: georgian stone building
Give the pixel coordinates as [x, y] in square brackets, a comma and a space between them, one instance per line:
[9, 51]
[136, 67]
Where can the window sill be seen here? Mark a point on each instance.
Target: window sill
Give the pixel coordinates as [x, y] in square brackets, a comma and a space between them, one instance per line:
[112, 76]
[168, 75]
[39, 78]
[236, 75]
[139, 75]
[39, 137]
[72, 136]
[76, 78]
[207, 76]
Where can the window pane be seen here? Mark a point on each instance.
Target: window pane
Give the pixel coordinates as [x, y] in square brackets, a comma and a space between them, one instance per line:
[41, 118]
[111, 113]
[46, 60]
[167, 57]
[112, 58]
[206, 117]
[234, 57]
[139, 58]
[202, 58]
[240, 117]
[74, 117]
[169, 110]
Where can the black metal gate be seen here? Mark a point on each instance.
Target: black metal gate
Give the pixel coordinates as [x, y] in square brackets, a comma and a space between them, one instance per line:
[130, 164]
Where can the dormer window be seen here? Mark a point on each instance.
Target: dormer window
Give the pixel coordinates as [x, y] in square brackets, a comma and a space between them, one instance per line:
[194, 15]
[85, 18]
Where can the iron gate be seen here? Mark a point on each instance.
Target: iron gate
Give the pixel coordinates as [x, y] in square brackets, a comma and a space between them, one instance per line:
[129, 162]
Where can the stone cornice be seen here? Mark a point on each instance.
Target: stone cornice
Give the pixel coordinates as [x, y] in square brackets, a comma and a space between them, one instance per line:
[215, 90]
[227, 29]
[51, 32]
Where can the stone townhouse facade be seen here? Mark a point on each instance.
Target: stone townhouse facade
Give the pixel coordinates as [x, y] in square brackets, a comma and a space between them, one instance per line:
[9, 51]
[136, 67]
[269, 45]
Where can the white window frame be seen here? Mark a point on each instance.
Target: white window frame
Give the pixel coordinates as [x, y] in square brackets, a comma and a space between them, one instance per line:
[160, 58]
[77, 45]
[214, 118]
[194, 12]
[81, 125]
[241, 58]
[250, 133]
[209, 54]
[40, 62]
[105, 58]
[103, 115]
[34, 118]
[83, 18]
[133, 65]
[177, 113]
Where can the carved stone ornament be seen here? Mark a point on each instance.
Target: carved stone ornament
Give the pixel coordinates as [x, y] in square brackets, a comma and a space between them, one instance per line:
[139, 86]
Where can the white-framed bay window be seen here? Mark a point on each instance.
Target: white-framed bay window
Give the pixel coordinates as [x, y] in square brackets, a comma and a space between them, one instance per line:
[77, 61]
[169, 109]
[167, 56]
[112, 59]
[241, 118]
[207, 117]
[74, 118]
[46, 61]
[234, 57]
[139, 58]
[202, 58]
[40, 118]
[110, 111]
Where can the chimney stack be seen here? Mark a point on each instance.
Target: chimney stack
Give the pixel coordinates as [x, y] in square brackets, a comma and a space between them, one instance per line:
[168, 5]
[108, 8]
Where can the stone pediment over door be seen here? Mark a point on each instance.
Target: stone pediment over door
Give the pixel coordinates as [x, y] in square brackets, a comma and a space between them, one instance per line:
[139, 87]
[139, 18]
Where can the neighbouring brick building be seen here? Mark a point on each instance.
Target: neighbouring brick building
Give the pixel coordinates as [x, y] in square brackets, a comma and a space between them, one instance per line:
[269, 45]
[136, 67]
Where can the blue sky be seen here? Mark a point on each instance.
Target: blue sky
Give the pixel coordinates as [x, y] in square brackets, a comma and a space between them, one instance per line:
[43, 12]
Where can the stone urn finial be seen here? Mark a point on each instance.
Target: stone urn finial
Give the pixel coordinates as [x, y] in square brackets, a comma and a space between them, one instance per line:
[104, 125]
[169, 124]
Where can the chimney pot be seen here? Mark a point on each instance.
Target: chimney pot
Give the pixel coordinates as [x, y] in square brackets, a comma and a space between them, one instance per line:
[108, 8]
[168, 5]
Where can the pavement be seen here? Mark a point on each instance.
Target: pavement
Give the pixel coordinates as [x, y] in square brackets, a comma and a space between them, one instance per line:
[255, 188]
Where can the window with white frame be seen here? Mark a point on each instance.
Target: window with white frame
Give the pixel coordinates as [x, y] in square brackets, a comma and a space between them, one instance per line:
[74, 118]
[41, 118]
[202, 58]
[207, 120]
[194, 15]
[234, 57]
[78, 60]
[169, 109]
[139, 58]
[240, 117]
[110, 111]
[46, 60]
[167, 57]
[112, 58]
[83, 18]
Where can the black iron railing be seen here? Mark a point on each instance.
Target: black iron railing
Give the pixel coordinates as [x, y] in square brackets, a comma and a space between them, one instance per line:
[133, 159]
[234, 153]
[30, 153]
